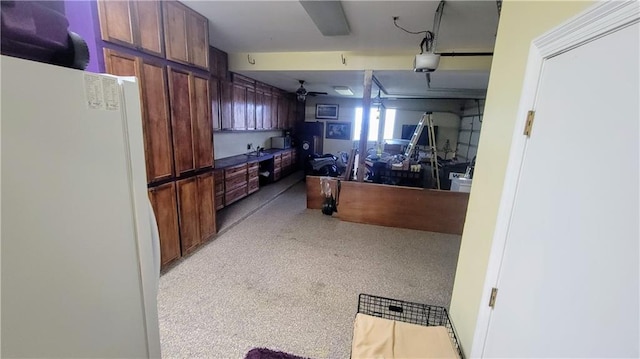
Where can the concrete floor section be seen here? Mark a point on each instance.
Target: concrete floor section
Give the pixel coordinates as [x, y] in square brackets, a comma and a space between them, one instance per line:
[288, 278]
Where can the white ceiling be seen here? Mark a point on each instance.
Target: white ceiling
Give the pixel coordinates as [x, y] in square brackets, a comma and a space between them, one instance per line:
[284, 26]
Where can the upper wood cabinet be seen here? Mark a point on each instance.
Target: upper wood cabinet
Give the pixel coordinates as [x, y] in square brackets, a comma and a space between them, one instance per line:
[218, 63]
[239, 107]
[155, 109]
[179, 94]
[214, 85]
[190, 121]
[201, 118]
[186, 35]
[226, 105]
[135, 24]
[251, 108]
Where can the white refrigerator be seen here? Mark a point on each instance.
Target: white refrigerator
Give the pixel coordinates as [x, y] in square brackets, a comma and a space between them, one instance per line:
[79, 244]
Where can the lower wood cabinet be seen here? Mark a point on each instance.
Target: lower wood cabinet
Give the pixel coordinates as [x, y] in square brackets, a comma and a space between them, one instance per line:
[206, 206]
[253, 182]
[277, 166]
[235, 183]
[163, 201]
[218, 181]
[188, 214]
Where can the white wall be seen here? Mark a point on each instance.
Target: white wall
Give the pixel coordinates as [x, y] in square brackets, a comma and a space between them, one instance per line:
[520, 22]
[231, 143]
[346, 113]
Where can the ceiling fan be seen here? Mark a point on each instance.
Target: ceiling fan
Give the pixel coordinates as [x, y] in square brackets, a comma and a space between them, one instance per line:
[302, 92]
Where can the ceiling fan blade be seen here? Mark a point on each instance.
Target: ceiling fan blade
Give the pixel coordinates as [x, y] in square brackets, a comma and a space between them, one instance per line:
[313, 93]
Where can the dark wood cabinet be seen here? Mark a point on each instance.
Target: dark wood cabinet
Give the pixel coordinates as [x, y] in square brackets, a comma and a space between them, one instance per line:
[201, 118]
[198, 39]
[226, 105]
[275, 100]
[179, 94]
[155, 109]
[218, 63]
[267, 113]
[206, 206]
[235, 183]
[277, 166]
[283, 112]
[163, 201]
[214, 88]
[251, 108]
[239, 107]
[190, 121]
[218, 181]
[135, 24]
[186, 35]
[188, 214]
[253, 181]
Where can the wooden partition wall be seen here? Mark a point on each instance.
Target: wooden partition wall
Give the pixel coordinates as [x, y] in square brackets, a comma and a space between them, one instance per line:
[394, 206]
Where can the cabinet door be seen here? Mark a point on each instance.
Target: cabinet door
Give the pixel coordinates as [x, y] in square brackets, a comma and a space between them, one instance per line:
[156, 121]
[214, 87]
[188, 215]
[267, 112]
[283, 112]
[198, 37]
[175, 31]
[121, 64]
[203, 130]
[206, 207]
[116, 22]
[179, 94]
[149, 26]
[226, 105]
[251, 108]
[239, 107]
[259, 109]
[163, 201]
[275, 99]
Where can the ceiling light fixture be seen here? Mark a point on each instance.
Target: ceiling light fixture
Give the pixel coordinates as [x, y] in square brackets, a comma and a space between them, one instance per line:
[343, 90]
[328, 16]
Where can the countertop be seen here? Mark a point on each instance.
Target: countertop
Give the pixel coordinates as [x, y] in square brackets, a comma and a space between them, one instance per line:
[226, 162]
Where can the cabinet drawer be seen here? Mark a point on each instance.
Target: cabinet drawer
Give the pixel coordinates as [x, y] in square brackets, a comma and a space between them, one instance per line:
[235, 182]
[235, 195]
[253, 185]
[286, 155]
[277, 173]
[253, 173]
[218, 188]
[235, 171]
[253, 166]
[286, 161]
[219, 201]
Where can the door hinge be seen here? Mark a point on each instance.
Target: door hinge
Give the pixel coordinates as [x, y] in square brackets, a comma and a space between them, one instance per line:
[529, 124]
[492, 299]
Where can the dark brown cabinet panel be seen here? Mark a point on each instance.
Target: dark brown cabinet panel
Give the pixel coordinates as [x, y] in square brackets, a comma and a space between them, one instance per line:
[116, 22]
[156, 122]
[214, 86]
[267, 112]
[226, 105]
[188, 214]
[135, 24]
[201, 117]
[186, 35]
[283, 112]
[179, 90]
[175, 31]
[275, 100]
[149, 26]
[155, 110]
[218, 63]
[239, 107]
[198, 39]
[206, 206]
[251, 108]
[259, 109]
[218, 181]
[163, 201]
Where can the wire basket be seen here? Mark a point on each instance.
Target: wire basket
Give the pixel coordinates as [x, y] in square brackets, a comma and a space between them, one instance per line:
[408, 312]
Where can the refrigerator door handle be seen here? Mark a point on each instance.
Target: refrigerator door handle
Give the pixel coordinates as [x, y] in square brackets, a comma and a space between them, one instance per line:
[155, 240]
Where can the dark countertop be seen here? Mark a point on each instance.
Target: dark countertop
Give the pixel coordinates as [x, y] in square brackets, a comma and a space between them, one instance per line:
[226, 162]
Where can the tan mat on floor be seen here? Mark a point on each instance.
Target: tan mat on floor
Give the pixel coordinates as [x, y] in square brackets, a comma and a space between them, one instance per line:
[375, 337]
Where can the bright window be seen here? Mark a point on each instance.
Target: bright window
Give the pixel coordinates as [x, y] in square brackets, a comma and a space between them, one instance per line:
[374, 124]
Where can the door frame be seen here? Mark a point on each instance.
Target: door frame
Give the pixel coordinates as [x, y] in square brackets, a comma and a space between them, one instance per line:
[597, 21]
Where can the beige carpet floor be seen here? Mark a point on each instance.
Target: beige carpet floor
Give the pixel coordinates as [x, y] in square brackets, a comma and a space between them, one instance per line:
[288, 278]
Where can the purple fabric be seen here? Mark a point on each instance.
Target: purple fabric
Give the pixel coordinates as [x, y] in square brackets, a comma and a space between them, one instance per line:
[264, 353]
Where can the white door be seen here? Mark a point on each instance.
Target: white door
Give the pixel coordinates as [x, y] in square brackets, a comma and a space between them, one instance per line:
[568, 280]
